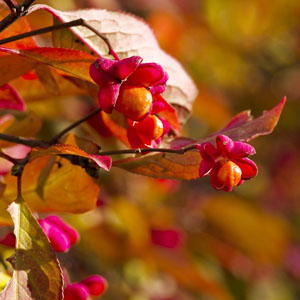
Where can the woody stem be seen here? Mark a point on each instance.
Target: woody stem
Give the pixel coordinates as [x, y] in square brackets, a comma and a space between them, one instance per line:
[73, 125]
[78, 22]
[146, 150]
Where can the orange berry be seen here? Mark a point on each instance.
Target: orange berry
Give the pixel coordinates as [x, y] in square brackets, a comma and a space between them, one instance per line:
[230, 174]
[134, 102]
[149, 129]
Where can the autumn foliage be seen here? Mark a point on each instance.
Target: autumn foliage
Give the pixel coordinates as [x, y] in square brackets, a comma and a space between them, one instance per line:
[96, 154]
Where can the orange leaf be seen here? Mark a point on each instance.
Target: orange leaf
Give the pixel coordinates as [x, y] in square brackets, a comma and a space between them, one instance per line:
[71, 61]
[242, 128]
[102, 161]
[19, 26]
[26, 127]
[68, 188]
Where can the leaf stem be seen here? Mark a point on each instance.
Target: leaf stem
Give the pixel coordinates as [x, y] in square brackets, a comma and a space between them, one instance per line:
[78, 22]
[73, 125]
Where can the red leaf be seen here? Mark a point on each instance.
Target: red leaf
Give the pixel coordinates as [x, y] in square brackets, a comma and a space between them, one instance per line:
[10, 98]
[186, 166]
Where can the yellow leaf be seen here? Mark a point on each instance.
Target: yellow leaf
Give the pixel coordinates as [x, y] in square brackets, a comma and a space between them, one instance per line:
[67, 189]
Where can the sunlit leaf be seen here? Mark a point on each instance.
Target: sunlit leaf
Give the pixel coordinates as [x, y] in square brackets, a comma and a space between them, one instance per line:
[37, 274]
[71, 61]
[128, 36]
[168, 165]
[14, 66]
[101, 161]
[19, 26]
[68, 188]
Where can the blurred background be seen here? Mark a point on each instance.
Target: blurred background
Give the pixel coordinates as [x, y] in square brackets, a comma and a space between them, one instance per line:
[174, 240]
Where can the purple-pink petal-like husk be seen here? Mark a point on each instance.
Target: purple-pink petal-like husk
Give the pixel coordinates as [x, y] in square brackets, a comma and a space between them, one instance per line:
[166, 125]
[59, 240]
[208, 151]
[224, 144]
[160, 86]
[147, 74]
[227, 188]
[241, 150]
[108, 96]
[76, 291]
[215, 182]
[134, 140]
[101, 77]
[104, 64]
[204, 167]
[247, 166]
[241, 182]
[157, 106]
[158, 89]
[70, 231]
[125, 67]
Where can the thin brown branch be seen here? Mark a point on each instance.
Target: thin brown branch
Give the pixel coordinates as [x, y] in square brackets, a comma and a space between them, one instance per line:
[78, 22]
[18, 140]
[41, 31]
[7, 157]
[146, 150]
[73, 125]
[19, 11]
[11, 6]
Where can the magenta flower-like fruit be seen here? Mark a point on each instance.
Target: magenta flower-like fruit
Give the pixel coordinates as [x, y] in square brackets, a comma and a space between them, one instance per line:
[61, 235]
[96, 284]
[92, 286]
[128, 85]
[76, 291]
[227, 164]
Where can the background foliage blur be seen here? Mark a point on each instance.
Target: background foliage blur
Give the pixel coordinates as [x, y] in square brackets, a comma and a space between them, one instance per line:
[171, 240]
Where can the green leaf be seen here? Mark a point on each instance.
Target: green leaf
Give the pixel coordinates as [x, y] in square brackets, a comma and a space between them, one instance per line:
[37, 274]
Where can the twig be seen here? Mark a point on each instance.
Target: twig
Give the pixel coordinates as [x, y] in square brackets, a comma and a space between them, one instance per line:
[145, 150]
[41, 31]
[78, 22]
[11, 6]
[73, 125]
[19, 186]
[7, 157]
[18, 11]
[18, 140]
